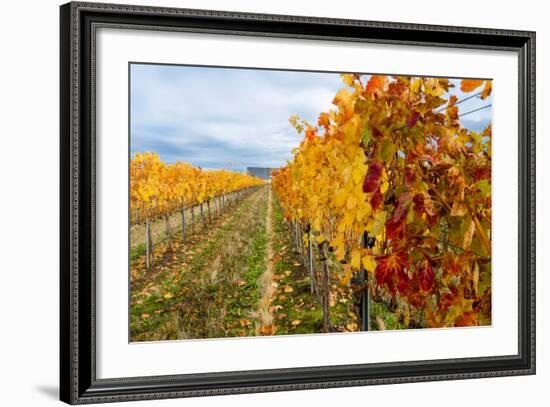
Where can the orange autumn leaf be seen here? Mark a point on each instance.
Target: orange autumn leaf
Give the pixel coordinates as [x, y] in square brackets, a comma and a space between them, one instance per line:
[310, 133]
[375, 83]
[268, 330]
[324, 120]
[468, 85]
[487, 89]
[244, 322]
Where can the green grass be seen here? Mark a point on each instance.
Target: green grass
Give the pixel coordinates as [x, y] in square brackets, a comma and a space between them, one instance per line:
[203, 306]
[300, 304]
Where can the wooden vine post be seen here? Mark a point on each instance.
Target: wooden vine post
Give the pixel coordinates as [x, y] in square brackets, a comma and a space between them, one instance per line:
[148, 245]
[296, 237]
[192, 208]
[364, 299]
[183, 224]
[309, 257]
[168, 231]
[325, 286]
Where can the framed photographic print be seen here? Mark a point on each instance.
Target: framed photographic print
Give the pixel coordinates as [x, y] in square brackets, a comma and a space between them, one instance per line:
[256, 203]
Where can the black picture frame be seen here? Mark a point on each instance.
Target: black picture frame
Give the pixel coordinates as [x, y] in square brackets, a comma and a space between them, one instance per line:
[78, 382]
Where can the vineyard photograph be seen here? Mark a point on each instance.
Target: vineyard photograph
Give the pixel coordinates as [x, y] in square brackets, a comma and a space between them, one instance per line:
[270, 202]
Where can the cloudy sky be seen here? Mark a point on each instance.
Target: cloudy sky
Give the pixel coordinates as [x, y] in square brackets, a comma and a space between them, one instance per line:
[233, 118]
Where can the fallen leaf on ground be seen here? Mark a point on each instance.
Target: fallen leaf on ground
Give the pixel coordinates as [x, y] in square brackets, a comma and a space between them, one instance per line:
[352, 327]
[268, 330]
[244, 322]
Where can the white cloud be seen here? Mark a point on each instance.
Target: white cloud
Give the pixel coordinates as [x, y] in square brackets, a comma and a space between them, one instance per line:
[234, 118]
[206, 114]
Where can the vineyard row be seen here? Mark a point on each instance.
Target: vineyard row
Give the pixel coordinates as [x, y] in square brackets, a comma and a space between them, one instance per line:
[158, 189]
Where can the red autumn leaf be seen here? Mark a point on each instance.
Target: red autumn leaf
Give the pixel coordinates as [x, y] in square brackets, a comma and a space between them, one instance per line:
[376, 200]
[372, 179]
[426, 275]
[377, 134]
[423, 204]
[418, 204]
[392, 267]
[412, 119]
[409, 177]
[403, 281]
[395, 226]
[398, 89]
[482, 172]
[451, 264]
[375, 83]
[445, 302]
[411, 156]
[467, 319]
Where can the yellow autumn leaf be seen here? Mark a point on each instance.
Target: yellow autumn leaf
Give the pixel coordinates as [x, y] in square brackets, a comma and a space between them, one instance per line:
[346, 275]
[351, 202]
[356, 259]
[378, 224]
[368, 262]
[347, 79]
[415, 85]
[358, 174]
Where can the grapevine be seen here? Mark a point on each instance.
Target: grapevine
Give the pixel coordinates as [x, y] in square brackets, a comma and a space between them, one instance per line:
[392, 165]
[158, 189]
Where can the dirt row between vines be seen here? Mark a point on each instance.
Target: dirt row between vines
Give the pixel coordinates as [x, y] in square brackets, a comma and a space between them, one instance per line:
[237, 277]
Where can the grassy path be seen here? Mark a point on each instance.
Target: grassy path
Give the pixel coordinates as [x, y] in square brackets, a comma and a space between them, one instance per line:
[266, 283]
[296, 310]
[206, 287]
[237, 277]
